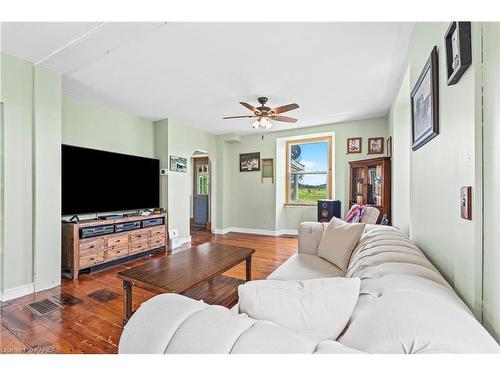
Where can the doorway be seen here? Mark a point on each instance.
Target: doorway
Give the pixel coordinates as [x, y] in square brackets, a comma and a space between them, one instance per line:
[201, 194]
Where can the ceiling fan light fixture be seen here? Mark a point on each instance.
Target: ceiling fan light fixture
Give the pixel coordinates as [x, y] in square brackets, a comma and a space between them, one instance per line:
[256, 124]
[266, 123]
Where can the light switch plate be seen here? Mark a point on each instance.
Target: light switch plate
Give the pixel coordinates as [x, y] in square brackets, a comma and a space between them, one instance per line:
[466, 202]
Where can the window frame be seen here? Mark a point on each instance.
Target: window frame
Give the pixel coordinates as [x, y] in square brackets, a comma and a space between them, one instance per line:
[328, 139]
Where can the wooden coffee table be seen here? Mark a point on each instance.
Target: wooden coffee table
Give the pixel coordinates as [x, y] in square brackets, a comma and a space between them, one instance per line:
[184, 271]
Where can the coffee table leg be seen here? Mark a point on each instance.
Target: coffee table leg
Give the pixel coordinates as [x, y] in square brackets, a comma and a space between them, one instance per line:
[127, 301]
[249, 268]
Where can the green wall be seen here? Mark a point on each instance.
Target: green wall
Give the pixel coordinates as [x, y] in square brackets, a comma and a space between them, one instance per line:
[17, 88]
[400, 128]
[439, 168]
[183, 141]
[90, 125]
[31, 132]
[161, 152]
[246, 202]
[491, 253]
[47, 179]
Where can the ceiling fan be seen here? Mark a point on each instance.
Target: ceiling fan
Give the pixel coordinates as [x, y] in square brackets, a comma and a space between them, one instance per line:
[264, 114]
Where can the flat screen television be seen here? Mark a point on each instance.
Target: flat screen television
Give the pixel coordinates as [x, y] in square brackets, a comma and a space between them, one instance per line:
[95, 181]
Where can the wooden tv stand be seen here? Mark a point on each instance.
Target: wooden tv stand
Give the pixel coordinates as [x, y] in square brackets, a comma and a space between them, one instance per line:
[82, 253]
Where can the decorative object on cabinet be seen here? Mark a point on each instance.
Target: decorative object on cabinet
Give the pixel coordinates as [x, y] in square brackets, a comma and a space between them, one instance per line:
[370, 183]
[425, 104]
[178, 164]
[250, 162]
[90, 244]
[354, 145]
[389, 147]
[458, 50]
[376, 145]
[268, 169]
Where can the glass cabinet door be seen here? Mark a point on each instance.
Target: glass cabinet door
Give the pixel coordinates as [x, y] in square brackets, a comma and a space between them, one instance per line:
[374, 185]
[357, 183]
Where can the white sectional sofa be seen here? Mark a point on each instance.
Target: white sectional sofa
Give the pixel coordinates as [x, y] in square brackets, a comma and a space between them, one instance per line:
[404, 306]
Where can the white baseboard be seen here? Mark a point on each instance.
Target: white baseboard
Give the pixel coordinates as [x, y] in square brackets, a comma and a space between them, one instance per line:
[177, 242]
[261, 232]
[18, 291]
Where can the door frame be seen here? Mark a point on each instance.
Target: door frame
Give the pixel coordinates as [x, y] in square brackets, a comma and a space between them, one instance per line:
[195, 159]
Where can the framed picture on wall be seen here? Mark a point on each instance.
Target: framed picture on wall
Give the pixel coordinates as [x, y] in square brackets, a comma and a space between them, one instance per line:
[354, 145]
[458, 50]
[250, 162]
[178, 164]
[376, 145]
[425, 104]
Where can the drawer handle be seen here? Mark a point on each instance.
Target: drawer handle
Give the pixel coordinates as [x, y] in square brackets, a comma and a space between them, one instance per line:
[118, 240]
[91, 247]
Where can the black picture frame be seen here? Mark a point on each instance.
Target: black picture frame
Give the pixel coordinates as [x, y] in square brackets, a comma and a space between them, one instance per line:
[425, 126]
[250, 162]
[458, 50]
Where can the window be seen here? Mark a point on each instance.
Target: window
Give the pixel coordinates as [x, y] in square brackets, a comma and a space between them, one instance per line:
[201, 177]
[308, 170]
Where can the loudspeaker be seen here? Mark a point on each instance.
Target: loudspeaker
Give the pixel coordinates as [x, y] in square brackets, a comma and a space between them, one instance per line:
[328, 208]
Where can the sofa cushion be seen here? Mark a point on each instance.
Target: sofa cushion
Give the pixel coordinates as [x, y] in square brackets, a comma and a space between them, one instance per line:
[318, 308]
[338, 242]
[305, 266]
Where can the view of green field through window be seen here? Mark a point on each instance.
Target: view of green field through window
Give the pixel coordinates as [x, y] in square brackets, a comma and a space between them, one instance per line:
[308, 172]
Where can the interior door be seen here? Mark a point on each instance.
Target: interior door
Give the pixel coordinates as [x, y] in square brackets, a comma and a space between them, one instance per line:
[201, 186]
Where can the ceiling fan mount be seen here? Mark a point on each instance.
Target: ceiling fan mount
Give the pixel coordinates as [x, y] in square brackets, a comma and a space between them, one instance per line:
[262, 100]
[264, 114]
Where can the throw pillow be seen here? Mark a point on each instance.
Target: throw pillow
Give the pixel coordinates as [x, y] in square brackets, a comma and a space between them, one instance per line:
[338, 242]
[318, 308]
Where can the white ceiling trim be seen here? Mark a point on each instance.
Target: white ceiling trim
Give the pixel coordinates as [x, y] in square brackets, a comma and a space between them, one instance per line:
[67, 45]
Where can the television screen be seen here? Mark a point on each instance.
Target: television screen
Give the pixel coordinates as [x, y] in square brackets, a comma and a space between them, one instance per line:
[96, 181]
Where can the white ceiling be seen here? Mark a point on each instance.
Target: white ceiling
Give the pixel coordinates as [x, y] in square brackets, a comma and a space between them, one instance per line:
[197, 72]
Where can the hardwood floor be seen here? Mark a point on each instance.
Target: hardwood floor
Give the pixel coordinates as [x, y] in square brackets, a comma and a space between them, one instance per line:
[91, 318]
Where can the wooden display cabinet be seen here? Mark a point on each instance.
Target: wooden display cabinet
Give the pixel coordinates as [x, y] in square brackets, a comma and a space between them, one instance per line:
[370, 183]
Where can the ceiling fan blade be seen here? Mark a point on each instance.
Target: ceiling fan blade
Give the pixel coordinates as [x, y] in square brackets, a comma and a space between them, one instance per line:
[250, 107]
[283, 119]
[227, 118]
[285, 108]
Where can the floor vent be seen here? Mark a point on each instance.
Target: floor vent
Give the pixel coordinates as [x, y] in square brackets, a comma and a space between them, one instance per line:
[43, 307]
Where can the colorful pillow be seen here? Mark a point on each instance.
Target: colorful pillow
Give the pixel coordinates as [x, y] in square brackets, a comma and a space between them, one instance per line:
[355, 214]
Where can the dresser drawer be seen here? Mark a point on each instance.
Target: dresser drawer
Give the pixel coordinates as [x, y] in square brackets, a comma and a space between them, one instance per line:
[158, 231]
[157, 241]
[118, 240]
[137, 247]
[91, 245]
[92, 259]
[139, 235]
[117, 252]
